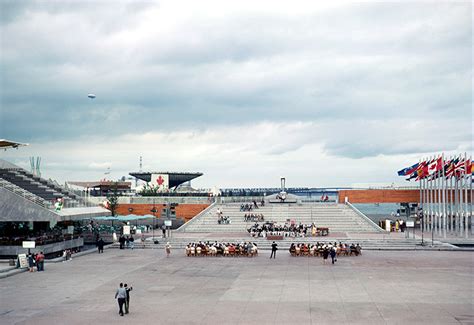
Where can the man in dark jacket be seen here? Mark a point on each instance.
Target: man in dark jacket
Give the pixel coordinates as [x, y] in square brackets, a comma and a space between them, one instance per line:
[274, 250]
[100, 245]
[127, 300]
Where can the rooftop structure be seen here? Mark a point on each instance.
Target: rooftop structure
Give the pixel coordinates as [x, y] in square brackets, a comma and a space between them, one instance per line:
[7, 144]
[166, 180]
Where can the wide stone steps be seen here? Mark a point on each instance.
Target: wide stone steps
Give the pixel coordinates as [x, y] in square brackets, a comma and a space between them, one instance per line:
[337, 217]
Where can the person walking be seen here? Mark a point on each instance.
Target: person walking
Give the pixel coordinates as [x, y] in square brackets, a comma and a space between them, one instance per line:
[100, 245]
[274, 250]
[325, 255]
[121, 241]
[127, 300]
[168, 249]
[31, 263]
[333, 254]
[132, 242]
[121, 296]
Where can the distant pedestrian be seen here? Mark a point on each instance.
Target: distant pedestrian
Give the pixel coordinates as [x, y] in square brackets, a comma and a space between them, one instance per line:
[274, 250]
[100, 245]
[168, 249]
[121, 241]
[325, 255]
[40, 261]
[333, 254]
[163, 229]
[31, 263]
[132, 242]
[121, 296]
[127, 300]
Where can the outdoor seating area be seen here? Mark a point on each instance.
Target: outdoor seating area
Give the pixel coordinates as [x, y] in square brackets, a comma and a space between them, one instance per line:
[319, 249]
[288, 229]
[246, 249]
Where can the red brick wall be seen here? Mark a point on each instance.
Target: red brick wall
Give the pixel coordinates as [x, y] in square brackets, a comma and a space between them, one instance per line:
[185, 211]
[380, 196]
[384, 196]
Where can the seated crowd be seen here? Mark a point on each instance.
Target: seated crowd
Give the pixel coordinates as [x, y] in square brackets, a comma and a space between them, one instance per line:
[276, 229]
[221, 249]
[324, 249]
[254, 217]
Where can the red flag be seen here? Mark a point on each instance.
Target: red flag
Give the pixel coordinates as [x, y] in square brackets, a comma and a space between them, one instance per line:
[436, 165]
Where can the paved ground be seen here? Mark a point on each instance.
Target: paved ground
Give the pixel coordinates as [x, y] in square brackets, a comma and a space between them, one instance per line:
[376, 288]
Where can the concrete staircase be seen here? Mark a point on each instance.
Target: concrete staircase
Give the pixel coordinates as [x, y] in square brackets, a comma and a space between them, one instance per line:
[39, 187]
[337, 217]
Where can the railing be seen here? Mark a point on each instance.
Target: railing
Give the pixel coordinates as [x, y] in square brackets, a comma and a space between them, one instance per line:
[239, 199]
[25, 194]
[373, 224]
[196, 217]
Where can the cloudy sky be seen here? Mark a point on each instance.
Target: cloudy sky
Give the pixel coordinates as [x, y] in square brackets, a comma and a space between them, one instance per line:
[245, 92]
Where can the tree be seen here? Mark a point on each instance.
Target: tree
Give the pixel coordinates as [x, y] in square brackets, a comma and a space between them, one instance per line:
[113, 200]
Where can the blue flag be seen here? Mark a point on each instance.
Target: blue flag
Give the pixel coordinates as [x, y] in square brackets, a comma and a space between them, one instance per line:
[408, 171]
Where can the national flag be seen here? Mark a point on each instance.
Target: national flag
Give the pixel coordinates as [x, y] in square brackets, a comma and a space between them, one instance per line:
[451, 166]
[469, 167]
[435, 165]
[460, 167]
[422, 170]
[413, 175]
[408, 170]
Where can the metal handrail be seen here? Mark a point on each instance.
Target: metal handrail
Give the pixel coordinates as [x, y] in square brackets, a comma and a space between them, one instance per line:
[196, 217]
[373, 224]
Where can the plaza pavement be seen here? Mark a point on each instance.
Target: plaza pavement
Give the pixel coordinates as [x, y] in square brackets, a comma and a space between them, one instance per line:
[394, 287]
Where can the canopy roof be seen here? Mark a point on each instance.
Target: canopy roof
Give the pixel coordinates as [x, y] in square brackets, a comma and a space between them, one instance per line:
[103, 184]
[130, 217]
[175, 178]
[7, 144]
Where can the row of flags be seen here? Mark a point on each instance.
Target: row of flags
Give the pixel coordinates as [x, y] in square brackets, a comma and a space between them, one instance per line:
[438, 167]
[445, 193]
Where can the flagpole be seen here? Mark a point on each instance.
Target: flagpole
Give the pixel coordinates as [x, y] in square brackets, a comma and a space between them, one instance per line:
[440, 213]
[432, 220]
[458, 202]
[443, 180]
[451, 224]
[470, 190]
[466, 216]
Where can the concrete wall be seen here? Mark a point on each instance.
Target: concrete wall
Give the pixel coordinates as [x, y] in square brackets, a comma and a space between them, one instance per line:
[47, 249]
[16, 208]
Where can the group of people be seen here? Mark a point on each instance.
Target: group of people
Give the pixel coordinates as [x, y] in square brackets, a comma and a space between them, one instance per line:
[123, 298]
[67, 255]
[285, 230]
[257, 217]
[250, 206]
[126, 242]
[36, 259]
[223, 220]
[398, 225]
[221, 249]
[325, 249]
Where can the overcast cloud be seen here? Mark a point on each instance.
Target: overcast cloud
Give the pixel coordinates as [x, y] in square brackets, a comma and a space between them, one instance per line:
[325, 94]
